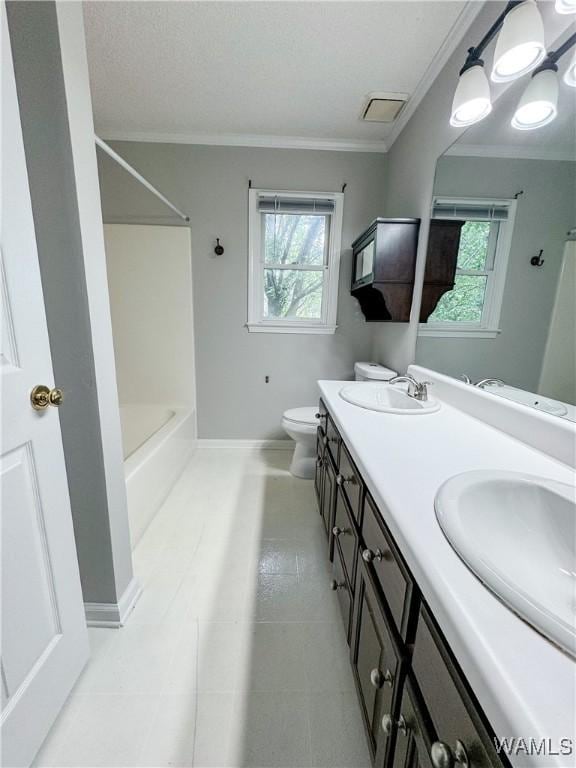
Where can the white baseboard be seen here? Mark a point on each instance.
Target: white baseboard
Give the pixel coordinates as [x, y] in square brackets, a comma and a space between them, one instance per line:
[258, 445]
[113, 615]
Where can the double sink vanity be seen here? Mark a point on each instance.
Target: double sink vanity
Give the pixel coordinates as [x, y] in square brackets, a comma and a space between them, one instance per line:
[452, 546]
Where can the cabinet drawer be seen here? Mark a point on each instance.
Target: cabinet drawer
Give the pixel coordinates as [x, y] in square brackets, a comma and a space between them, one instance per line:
[350, 482]
[454, 713]
[345, 537]
[340, 586]
[389, 569]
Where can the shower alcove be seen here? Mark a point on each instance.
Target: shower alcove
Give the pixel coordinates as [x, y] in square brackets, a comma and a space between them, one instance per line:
[150, 287]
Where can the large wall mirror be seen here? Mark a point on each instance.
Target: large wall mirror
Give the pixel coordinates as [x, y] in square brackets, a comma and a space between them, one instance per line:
[500, 296]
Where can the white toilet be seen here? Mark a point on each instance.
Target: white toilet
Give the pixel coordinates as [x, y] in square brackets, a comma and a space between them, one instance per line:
[301, 424]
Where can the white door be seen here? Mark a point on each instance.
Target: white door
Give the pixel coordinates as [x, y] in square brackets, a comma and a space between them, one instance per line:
[44, 638]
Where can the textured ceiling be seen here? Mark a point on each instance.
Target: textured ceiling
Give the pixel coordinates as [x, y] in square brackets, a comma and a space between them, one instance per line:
[299, 69]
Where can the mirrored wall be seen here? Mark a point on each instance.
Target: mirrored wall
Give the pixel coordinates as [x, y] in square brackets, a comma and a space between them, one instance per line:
[502, 259]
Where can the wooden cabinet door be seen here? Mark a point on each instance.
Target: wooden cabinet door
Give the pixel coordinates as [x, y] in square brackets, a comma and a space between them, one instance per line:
[319, 472]
[328, 492]
[412, 734]
[376, 663]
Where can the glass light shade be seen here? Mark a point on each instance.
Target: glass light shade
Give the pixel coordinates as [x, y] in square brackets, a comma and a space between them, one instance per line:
[570, 74]
[538, 105]
[520, 46]
[565, 6]
[472, 98]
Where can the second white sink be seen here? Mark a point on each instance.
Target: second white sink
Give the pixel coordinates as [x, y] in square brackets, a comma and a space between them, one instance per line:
[386, 398]
[517, 533]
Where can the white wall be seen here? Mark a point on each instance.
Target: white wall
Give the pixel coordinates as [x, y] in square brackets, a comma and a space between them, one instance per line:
[150, 283]
[211, 185]
[559, 368]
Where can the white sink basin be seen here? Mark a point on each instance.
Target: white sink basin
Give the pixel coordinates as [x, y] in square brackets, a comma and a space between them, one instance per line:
[386, 398]
[517, 533]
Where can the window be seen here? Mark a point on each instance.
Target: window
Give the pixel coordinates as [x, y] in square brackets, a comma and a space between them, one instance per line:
[294, 261]
[472, 307]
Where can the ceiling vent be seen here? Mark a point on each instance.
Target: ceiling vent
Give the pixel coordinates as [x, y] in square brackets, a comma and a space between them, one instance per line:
[383, 107]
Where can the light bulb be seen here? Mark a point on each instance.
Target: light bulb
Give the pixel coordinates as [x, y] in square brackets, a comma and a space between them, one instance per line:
[565, 6]
[472, 97]
[538, 105]
[570, 74]
[520, 46]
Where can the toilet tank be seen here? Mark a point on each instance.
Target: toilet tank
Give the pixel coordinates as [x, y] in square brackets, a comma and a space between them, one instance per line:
[372, 372]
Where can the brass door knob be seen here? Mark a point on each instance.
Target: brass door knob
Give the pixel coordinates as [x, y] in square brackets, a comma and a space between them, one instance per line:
[42, 396]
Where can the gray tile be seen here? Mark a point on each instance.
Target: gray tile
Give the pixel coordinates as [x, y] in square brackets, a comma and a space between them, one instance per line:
[326, 659]
[276, 731]
[337, 733]
[278, 557]
[276, 658]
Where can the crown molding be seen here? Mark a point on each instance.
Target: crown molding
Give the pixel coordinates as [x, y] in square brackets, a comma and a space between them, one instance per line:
[514, 152]
[449, 45]
[248, 140]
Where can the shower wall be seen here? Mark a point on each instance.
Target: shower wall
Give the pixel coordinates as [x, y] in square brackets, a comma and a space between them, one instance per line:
[150, 284]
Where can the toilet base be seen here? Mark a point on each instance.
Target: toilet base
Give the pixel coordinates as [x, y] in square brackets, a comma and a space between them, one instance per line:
[303, 463]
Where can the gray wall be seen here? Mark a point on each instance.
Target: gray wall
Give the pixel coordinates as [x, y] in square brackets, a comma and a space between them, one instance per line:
[42, 99]
[211, 184]
[544, 214]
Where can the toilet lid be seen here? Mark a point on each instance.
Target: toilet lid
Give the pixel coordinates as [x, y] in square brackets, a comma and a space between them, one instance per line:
[302, 415]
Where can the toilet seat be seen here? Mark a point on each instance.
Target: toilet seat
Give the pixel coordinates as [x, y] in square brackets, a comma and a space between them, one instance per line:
[305, 416]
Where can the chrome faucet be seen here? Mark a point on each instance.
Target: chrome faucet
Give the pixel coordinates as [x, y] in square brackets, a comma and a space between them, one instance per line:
[486, 382]
[416, 389]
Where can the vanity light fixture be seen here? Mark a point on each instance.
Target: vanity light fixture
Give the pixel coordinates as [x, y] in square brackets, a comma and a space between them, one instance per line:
[519, 49]
[472, 98]
[520, 46]
[538, 105]
[565, 6]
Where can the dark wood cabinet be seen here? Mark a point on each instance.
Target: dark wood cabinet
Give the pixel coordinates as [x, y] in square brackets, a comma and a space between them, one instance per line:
[376, 661]
[384, 263]
[417, 707]
[441, 260]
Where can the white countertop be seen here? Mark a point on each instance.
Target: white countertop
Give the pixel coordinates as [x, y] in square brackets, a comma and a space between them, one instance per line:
[525, 685]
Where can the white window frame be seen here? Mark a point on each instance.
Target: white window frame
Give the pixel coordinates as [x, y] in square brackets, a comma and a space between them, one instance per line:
[327, 322]
[489, 326]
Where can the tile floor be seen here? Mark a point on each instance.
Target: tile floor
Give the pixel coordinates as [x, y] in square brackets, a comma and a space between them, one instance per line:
[234, 654]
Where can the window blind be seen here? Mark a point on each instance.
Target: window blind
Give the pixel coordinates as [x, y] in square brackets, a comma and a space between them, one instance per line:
[304, 205]
[457, 209]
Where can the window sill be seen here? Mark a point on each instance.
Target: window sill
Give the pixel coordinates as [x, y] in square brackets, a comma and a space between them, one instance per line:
[459, 333]
[269, 328]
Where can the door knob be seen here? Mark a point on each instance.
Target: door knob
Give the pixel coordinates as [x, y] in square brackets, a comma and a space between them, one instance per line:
[42, 396]
[443, 757]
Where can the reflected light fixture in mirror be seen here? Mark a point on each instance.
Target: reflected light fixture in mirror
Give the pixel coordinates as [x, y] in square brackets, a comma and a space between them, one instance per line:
[472, 97]
[520, 46]
[538, 105]
[565, 6]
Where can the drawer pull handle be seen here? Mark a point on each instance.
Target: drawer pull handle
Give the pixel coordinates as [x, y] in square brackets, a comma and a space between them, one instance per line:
[321, 415]
[368, 556]
[443, 757]
[388, 724]
[335, 585]
[341, 531]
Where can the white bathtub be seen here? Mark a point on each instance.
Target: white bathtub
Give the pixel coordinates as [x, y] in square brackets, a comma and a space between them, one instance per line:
[158, 442]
